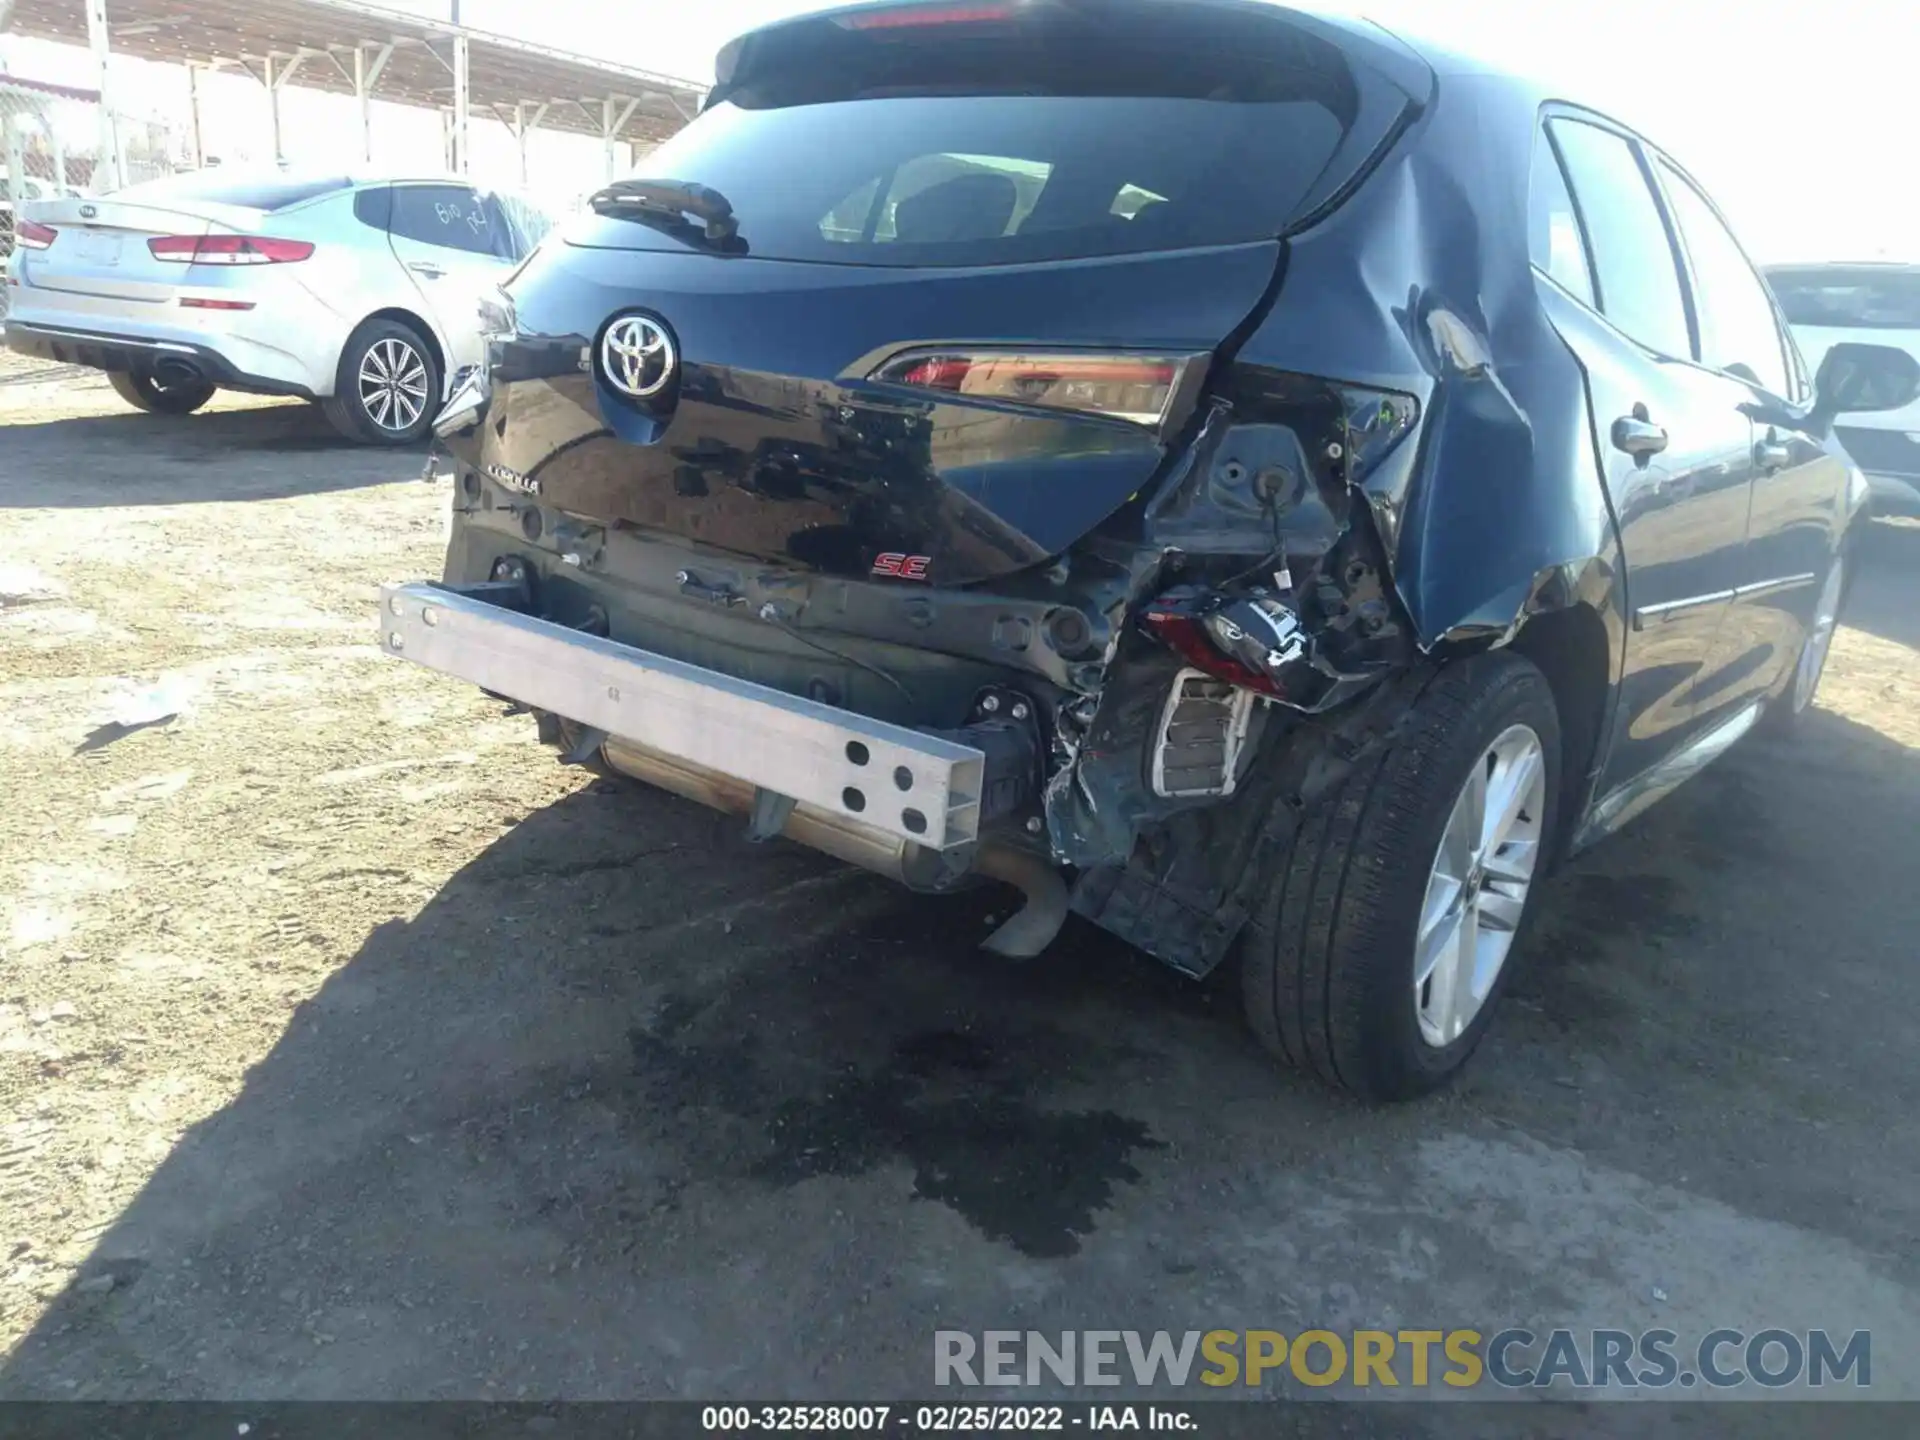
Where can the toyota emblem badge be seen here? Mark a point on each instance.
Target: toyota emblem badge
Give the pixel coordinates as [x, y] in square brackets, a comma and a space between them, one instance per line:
[637, 355]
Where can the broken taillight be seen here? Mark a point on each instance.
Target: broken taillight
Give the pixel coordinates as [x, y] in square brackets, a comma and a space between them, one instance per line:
[1135, 388]
[1248, 640]
[1182, 634]
[32, 235]
[228, 249]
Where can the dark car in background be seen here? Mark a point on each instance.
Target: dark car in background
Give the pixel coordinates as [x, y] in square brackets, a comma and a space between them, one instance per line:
[1879, 304]
[1227, 472]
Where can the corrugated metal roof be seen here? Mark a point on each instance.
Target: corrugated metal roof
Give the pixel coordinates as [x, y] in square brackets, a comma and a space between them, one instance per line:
[501, 71]
[41, 87]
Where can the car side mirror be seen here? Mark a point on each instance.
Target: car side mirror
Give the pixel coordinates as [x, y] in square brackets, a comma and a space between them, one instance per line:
[1855, 378]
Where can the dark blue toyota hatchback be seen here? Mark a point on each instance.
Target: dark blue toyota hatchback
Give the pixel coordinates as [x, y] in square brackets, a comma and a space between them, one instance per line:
[1228, 472]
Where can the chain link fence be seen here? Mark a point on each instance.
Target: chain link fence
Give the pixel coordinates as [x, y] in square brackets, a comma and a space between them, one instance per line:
[52, 143]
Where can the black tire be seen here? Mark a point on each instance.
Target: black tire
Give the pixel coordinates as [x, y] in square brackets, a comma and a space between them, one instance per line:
[1786, 714]
[1327, 967]
[356, 409]
[159, 397]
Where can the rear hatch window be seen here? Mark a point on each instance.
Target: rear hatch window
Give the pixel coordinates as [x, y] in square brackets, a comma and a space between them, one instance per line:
[1864, 299]
[1044, 135]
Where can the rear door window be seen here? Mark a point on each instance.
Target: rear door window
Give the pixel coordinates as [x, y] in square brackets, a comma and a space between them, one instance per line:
[374, 206]
[1738, 330]
[1637, 279]
[1554, 239]
[525, 224]
[453, 217]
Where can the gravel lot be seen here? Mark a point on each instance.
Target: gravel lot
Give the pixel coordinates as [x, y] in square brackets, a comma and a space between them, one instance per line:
[351, 1047]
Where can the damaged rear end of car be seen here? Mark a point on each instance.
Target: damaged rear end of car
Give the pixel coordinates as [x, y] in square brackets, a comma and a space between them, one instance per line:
[990, 442]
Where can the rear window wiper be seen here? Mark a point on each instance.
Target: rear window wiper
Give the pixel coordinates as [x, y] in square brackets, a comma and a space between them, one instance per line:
[671, 201]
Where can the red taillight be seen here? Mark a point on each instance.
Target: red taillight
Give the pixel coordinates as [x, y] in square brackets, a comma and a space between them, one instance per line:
[1187, 637]
[32, 235]
[908, 17]
[228, 249]
[1139, 388]
[1254, 640]
[189, 303]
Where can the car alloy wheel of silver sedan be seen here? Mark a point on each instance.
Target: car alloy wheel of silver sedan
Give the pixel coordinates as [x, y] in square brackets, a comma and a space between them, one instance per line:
[393, 385]
[1478, 886]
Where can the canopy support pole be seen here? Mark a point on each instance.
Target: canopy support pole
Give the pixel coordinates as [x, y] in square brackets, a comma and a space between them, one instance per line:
[193, 113]
[106, 161]
[461, 105]
[523, 124]
[365, 77]
[610, 128]
[273, 106]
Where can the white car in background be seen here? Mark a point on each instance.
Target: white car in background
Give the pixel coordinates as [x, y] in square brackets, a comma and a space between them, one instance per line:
[361, 294]
[1877, 304]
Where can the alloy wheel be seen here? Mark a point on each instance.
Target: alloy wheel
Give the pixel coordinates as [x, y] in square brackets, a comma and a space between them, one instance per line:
[1477, 888]
[393, 384]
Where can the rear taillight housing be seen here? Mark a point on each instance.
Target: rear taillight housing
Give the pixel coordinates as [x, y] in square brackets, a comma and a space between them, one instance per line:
[1136, 388]
[228, 249]
[1250, 648]
[32, 235]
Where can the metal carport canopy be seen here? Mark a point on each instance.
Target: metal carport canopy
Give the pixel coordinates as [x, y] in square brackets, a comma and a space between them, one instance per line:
[372, 52]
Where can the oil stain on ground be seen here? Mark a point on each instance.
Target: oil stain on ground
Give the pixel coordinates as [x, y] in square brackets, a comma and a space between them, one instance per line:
[1032, 1178]
[942, 1102]
[1644, 907]
[1596, 931]
[922, 1062]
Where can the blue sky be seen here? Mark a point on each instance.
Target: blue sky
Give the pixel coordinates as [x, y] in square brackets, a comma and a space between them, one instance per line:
[1800, 119]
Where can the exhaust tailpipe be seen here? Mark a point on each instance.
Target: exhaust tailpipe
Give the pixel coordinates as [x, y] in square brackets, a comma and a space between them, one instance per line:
[1039, 920]
[174, 371]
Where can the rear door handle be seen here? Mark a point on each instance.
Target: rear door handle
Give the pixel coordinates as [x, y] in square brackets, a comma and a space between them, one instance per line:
[426, 268]
[1638, 435]
[1772, 453]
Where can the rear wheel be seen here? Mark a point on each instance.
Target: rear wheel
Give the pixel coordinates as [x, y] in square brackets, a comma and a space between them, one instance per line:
[1391, 921]
[160, 397]
[387, 389]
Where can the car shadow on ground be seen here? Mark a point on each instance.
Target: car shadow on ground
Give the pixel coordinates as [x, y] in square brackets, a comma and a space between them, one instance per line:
[1882, 601]
[632, 1107]
[265, 452]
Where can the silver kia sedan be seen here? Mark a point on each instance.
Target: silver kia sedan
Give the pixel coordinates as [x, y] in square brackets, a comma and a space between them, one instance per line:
[360, 294]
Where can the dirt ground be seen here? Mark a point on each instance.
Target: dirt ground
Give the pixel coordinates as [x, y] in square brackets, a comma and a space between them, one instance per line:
[352, 1047]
